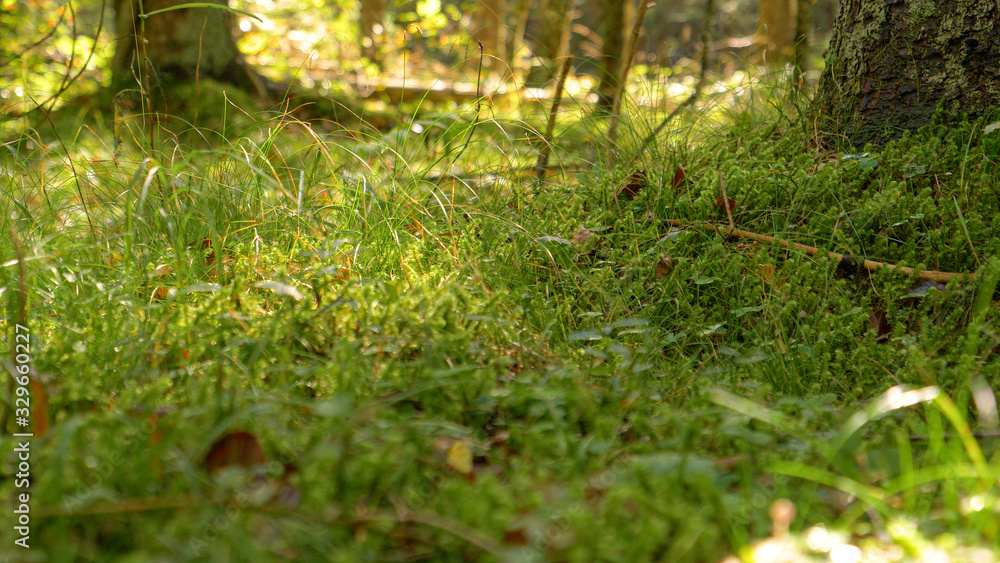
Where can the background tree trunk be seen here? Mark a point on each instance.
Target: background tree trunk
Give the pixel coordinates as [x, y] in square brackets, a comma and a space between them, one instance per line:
[890, 64]
[490, 29]
[776, 19]
[613, 33]
[549, 31]
[181, 44]
[372, 30]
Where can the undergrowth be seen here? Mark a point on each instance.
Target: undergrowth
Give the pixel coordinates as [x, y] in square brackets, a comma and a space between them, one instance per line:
[442, 358]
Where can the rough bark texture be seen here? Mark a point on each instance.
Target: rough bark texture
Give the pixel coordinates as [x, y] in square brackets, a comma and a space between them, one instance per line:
[777, 28]
[180, 44]
[891, 64]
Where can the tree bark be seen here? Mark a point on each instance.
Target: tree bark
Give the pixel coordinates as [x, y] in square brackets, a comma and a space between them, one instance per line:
[613, 33]
[891, 64]
[179, 45]
[777, 28]
[372, 29]
[550, 31]
[490, 29]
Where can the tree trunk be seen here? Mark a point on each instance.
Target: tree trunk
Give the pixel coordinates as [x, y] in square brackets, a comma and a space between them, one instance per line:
[550, 31]
[372, 30]
[490, 29]
[777, 28]
[891, 64]
[181, 45]
[613, 33]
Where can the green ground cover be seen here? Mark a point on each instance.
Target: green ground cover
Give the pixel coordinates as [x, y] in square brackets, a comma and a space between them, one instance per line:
[272, 343]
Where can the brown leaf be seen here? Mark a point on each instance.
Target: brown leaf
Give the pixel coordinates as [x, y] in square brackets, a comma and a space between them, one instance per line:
[720, 203]
[161, 270]
[235, 448]
[515, 536]
[39, 408]
[635, 184]
[680, 179]
[582, 235]
[160, 293]
[664, 267]
[880, 324]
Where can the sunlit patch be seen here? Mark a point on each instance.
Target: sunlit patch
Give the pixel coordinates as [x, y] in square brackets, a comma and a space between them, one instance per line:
[972, 504]
[774, 550]
[897, 398]
[676, 90]
[845, 553]
[818, 538]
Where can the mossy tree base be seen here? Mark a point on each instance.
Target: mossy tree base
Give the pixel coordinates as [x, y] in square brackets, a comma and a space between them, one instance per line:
[179, 45]
[891, 65]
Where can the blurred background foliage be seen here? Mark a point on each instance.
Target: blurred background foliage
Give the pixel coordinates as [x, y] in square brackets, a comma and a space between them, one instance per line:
[55, 49]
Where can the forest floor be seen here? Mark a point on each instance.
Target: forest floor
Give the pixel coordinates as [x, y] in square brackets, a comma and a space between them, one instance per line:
[264, 342]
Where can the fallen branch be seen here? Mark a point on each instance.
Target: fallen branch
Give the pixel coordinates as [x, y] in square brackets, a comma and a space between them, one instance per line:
[845, 259]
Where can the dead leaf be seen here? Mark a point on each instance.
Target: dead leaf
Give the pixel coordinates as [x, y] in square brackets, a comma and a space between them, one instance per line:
[664, 267]
[880, 324]
[633, 185]
[235, 448]
[161, 270]
[582, 235]
[680, 179]
[206, 245]
[39, 408]
[720, 203]
[515, 536]
[160, 293]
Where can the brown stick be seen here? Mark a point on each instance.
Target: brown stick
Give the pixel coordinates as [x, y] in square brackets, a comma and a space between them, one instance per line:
[543, 156]
[870, 265]
[725, 202]
[630, 47]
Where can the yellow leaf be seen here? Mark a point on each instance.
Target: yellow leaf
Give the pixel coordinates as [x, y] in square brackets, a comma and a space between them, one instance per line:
[460, 457]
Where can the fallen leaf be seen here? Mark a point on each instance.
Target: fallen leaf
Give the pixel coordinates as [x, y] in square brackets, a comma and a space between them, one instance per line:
[582, 235]
[161, 270]
[515, 536]
[880, 324]
[680, 179]
[460, 457]
[664, 267]
[633, 185]
[235, 448]
[206, 244]
[720, 203]
[160, 293]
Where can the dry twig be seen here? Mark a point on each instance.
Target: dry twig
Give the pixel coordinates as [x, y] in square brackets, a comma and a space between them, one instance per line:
[846, 259]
